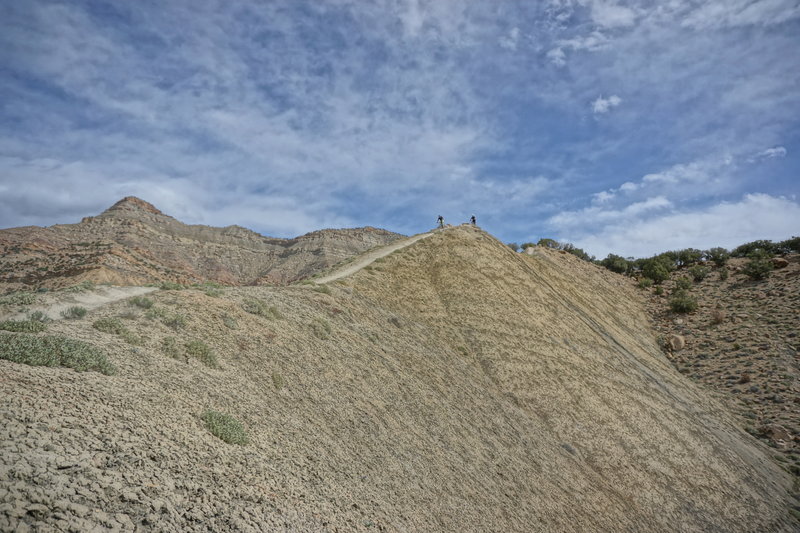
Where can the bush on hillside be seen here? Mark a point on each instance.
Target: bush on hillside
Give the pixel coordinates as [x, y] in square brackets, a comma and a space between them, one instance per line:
[74, 312]
[723, 274]
[645, 283]
[258, 307]
[49, 350]
[225, 427]
[27, 326]
[142, 302]
[789, 245]
[514, 246]
[203, 352]
[759, 266]
[18, 298]
[682, 302]
[718, 255]
[656, 269]
[688, 256]
[39, 316]
[526, 245]
[616, 263]
[549, 243]
[683, 283]
[699, 272]
[746, 249]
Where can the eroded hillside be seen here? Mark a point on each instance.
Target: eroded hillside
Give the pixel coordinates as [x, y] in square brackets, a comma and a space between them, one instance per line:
[133, 243]
[450, 386]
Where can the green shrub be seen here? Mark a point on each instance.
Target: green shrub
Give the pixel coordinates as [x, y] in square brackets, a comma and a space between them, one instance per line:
[645, 283]
[203, 352]
[616, 263]
[260, 308]
[321, 328]
[18, 298]
[514, 246]
[213, 292]
[718, 255]
[656, 269]
[659, 290]
[549, 243]
[688, 256]
[526, 245]
[683, 283]
[324, 289]
[699, 272]
[745, 250]
[277, 381]
[142, 302]
[682, 302]
[49, 350]
[789, 245]
[39, 316]
[109, 325]
[759, 266]
[85, 285]
[225, 427]
[230, 322]
[169, 345]
[175, 321]
[723, 274]
[27, 326]
[74, 312]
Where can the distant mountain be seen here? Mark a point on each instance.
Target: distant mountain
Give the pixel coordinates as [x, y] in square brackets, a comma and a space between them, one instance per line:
[134, 243]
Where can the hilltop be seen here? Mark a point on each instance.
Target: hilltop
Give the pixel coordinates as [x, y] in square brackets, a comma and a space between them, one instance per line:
[134, 243]
[452, 385]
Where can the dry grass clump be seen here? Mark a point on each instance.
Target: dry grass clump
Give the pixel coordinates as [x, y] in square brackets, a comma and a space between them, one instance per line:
[258, 307]
[203, 352]
[142, 302]
[225, 427]
[116, 327]
[321, 328]
[18, 298]
[51, 350]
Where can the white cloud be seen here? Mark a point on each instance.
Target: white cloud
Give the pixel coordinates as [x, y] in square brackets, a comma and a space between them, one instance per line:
[596, 215]
[611, 14]
[603, 105]
[557, 57]
[755, 216]
[510, 41]
[769, 153]
[732, 13]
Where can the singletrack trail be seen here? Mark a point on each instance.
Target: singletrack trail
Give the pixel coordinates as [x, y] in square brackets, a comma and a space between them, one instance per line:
[370, 257]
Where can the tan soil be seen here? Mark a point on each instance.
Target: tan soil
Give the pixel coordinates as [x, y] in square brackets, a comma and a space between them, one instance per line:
[53, 304]
[450, 386]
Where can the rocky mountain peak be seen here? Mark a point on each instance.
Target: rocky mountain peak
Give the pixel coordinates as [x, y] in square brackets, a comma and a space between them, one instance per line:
[132, 204]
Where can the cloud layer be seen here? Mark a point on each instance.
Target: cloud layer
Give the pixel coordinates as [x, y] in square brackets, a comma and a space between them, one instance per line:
[544, 119]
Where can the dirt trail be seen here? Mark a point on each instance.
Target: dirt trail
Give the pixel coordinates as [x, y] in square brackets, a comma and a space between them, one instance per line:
[370, 257]
[54, 303]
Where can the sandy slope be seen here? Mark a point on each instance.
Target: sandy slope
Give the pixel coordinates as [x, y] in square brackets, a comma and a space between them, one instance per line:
[52, 304]
[451, 386]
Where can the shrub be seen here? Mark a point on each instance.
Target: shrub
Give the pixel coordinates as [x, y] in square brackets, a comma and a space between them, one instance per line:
[225, 427]
[38, 316]
[169, 345]
[699, 272]
[723, 274]
[526, 245]
[549, 243]
[109, 325]
[324, 289]
[746, 249]
[142, 302]
[49, 350]
[277, 380]
[230, 322]
[171, 286]
[659, 290]
[657, 269]
[203, 352]
[645, 283]
[718, 255]
[759, 266]
[28, 326]
[321, 328]
[514, 246]
[683, 283]
[213, 292]
[682, 302]
[85, 285]
[260, 308]
[688, 256]
[175, 321]
[74, 312]
[616, 263]
[18, 298]
[789, 245]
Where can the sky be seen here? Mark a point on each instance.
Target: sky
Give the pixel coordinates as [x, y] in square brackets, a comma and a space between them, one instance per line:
[627, 127]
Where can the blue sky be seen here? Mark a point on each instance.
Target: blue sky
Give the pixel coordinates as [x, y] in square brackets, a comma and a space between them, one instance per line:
[621, 126]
